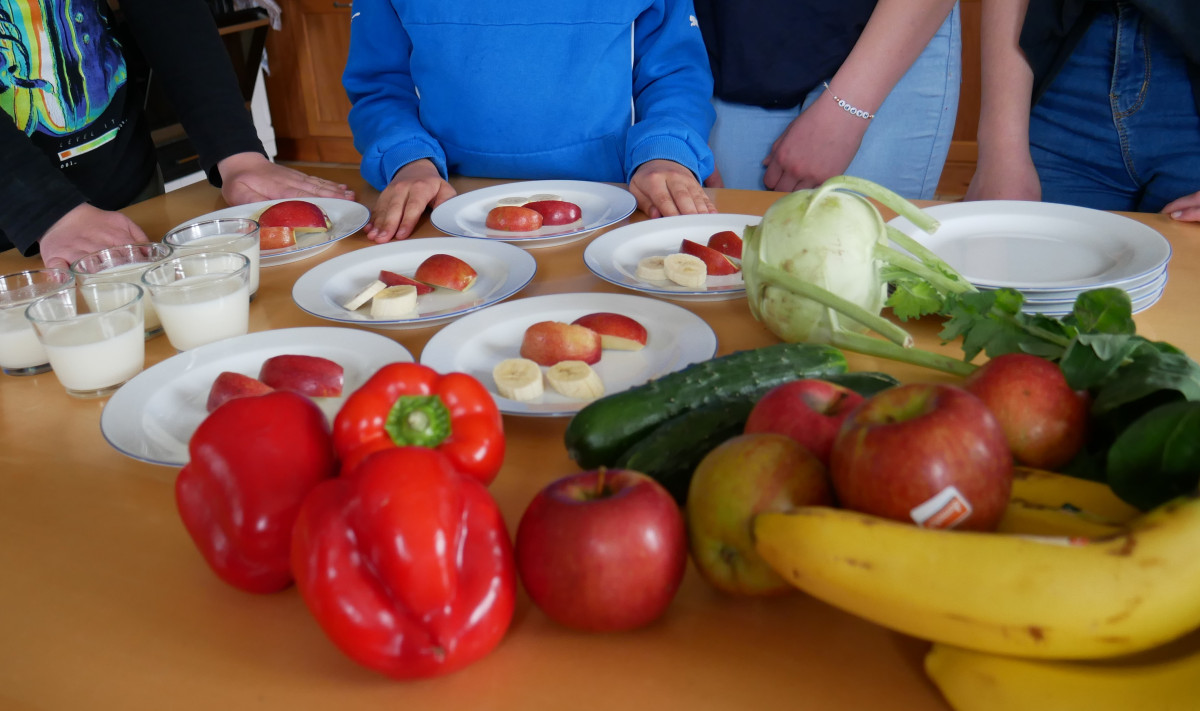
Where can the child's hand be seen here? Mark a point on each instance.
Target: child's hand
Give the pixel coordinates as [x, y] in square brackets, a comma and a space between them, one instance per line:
[414, 187]
[664, 188]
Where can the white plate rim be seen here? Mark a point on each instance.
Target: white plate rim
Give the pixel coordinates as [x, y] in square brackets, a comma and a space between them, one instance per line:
[129, 403]
[1141, 291]
[1058, 310]
[308, 295]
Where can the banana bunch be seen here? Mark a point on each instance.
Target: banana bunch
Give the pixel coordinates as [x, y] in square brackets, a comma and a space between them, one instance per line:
[1135, 587]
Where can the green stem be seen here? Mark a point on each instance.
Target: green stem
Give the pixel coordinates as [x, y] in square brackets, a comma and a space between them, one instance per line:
[860, 343]
[777, 277]
[944, 284]
[1049, 336]
[887, 198]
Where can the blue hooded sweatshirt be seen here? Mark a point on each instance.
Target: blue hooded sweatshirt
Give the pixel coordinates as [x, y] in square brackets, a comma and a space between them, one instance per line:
[528, 89]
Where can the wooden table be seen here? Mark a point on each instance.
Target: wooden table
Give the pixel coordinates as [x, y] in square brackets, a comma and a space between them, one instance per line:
[106, 604]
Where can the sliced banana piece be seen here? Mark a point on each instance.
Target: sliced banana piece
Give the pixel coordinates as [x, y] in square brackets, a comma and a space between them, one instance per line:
[651, 269]
[518, 379]
[544, 196]
[514, 200]
[394, 301]
[576, 379]
[686, 270]
[365, 295]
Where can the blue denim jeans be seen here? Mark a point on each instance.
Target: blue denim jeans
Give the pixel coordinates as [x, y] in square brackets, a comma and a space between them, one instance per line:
[905, 146]
[1117, 129]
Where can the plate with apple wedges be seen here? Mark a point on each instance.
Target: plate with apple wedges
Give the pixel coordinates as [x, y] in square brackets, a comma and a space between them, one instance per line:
[673, 338]
[345, 217]
[474, 274]
[616, 255]
[599, 205]
[152, 417]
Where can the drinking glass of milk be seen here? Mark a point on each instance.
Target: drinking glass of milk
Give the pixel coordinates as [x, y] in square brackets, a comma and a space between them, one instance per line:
[126, 263]
[93, 335]
[201, 297]
[225, 235]
[21, 353]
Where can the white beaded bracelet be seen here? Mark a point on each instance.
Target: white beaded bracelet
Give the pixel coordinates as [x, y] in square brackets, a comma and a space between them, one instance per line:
[847, 107]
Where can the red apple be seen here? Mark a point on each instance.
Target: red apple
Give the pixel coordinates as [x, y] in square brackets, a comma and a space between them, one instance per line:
[602, 551]
[276, 237]
[394, 279]
[717, 264]
[550, 342]
[742, 477]
[1044, 419]
[305, 374]
[230, 386]
[513, 218]
[446, 270]
[929, 454]
[556, 212]
[618, 332]
[727, 243]
[300, 215]
[809, 411]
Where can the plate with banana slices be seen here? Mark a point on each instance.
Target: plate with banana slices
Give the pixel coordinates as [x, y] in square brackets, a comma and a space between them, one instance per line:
[413, 283]
[611, 342]
[685, 257]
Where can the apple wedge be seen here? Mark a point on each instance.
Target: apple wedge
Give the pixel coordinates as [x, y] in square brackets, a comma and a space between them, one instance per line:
[313, 376]
[301, 215]
[276, 237]
[556, 212]
[394, 279]
[728, 243]
[716, 263]
[447, 271]
[230, 386]
[618, 332]
[550, 342]
[513, 218]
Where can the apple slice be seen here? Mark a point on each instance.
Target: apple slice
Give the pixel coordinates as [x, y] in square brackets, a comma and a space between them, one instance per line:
[313, 376]
[446, 270]
[513, 218]
[618, 332]
[556, 212]
[276, 237]
[716, 263]
[301, 215]
[394, 279]
[727, 243]
[550, 342]
[230, 386]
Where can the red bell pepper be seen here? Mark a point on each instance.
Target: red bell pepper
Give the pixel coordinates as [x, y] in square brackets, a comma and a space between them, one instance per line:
[411, 404]
[251, 463]
[406, 564]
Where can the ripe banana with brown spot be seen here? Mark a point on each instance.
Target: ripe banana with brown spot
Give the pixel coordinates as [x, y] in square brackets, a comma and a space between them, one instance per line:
[1054, 490]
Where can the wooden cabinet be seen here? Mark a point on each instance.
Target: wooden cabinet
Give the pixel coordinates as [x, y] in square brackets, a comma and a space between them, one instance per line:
[960, 163]
[309, 108]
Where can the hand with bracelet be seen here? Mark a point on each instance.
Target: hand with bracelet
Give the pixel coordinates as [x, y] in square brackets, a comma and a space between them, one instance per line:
[817, 145]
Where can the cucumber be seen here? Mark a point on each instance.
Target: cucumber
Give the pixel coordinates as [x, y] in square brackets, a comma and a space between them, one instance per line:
[606, 428]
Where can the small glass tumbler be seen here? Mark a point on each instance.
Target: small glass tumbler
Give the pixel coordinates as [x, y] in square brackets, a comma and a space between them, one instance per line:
[93, 335]
[201, 297]
[21, 353]
[225, 235]
[125, 263]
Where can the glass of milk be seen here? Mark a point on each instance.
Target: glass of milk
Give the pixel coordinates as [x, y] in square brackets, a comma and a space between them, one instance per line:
[201, 297]
[21, 352]
[93, 335]
[225, 235]
[126, 263]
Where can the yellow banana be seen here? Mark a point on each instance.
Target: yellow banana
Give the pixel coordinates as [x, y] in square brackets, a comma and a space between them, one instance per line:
[1162, 679]
[1031, 519]
[1027, 596]
[1056, 490]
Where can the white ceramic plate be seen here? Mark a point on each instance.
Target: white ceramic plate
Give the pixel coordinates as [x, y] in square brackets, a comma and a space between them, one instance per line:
[601, 205]
[1059, 310]
[502, 270]
[1151, 287]
[474, 344]
[614, 255]
[346, 216]
[1041, 246]
[153, 416]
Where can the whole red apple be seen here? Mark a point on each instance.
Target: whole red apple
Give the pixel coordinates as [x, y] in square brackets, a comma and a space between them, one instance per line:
[602, 550]
[924, 453]
[1044, 419]
[809, 411]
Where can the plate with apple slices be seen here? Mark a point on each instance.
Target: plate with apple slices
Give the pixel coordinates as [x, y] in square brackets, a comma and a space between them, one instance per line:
[345, 217]
[475, 344]
[616, 256]
[152, 417]
[491, 272]
[600, 205]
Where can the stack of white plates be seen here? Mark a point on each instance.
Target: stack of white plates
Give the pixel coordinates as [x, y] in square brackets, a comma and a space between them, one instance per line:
[1050, 253]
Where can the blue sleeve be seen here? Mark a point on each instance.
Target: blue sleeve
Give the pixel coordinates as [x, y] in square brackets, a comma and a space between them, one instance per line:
[672, 89]
[383, 115]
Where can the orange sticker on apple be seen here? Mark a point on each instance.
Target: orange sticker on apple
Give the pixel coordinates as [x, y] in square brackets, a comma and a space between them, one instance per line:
[946, 509]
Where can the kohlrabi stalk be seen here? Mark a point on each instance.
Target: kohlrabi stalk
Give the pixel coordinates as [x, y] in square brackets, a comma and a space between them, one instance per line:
[818, 266]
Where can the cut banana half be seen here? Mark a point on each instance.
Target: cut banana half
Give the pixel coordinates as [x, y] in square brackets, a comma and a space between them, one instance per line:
[686, 270]
[365, 295]
[394, 301]
[518, 379]
[515, 200]
[651, 269]
[544, 196]
[575, 379]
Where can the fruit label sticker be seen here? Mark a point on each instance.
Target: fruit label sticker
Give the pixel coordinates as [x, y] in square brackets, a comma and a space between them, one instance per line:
[945, 509]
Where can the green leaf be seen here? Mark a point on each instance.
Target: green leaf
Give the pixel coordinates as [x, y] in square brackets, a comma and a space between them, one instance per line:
[1105, 310]
[1158, 456]
[914, 299]
[1152, 367]
[1093, 358]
